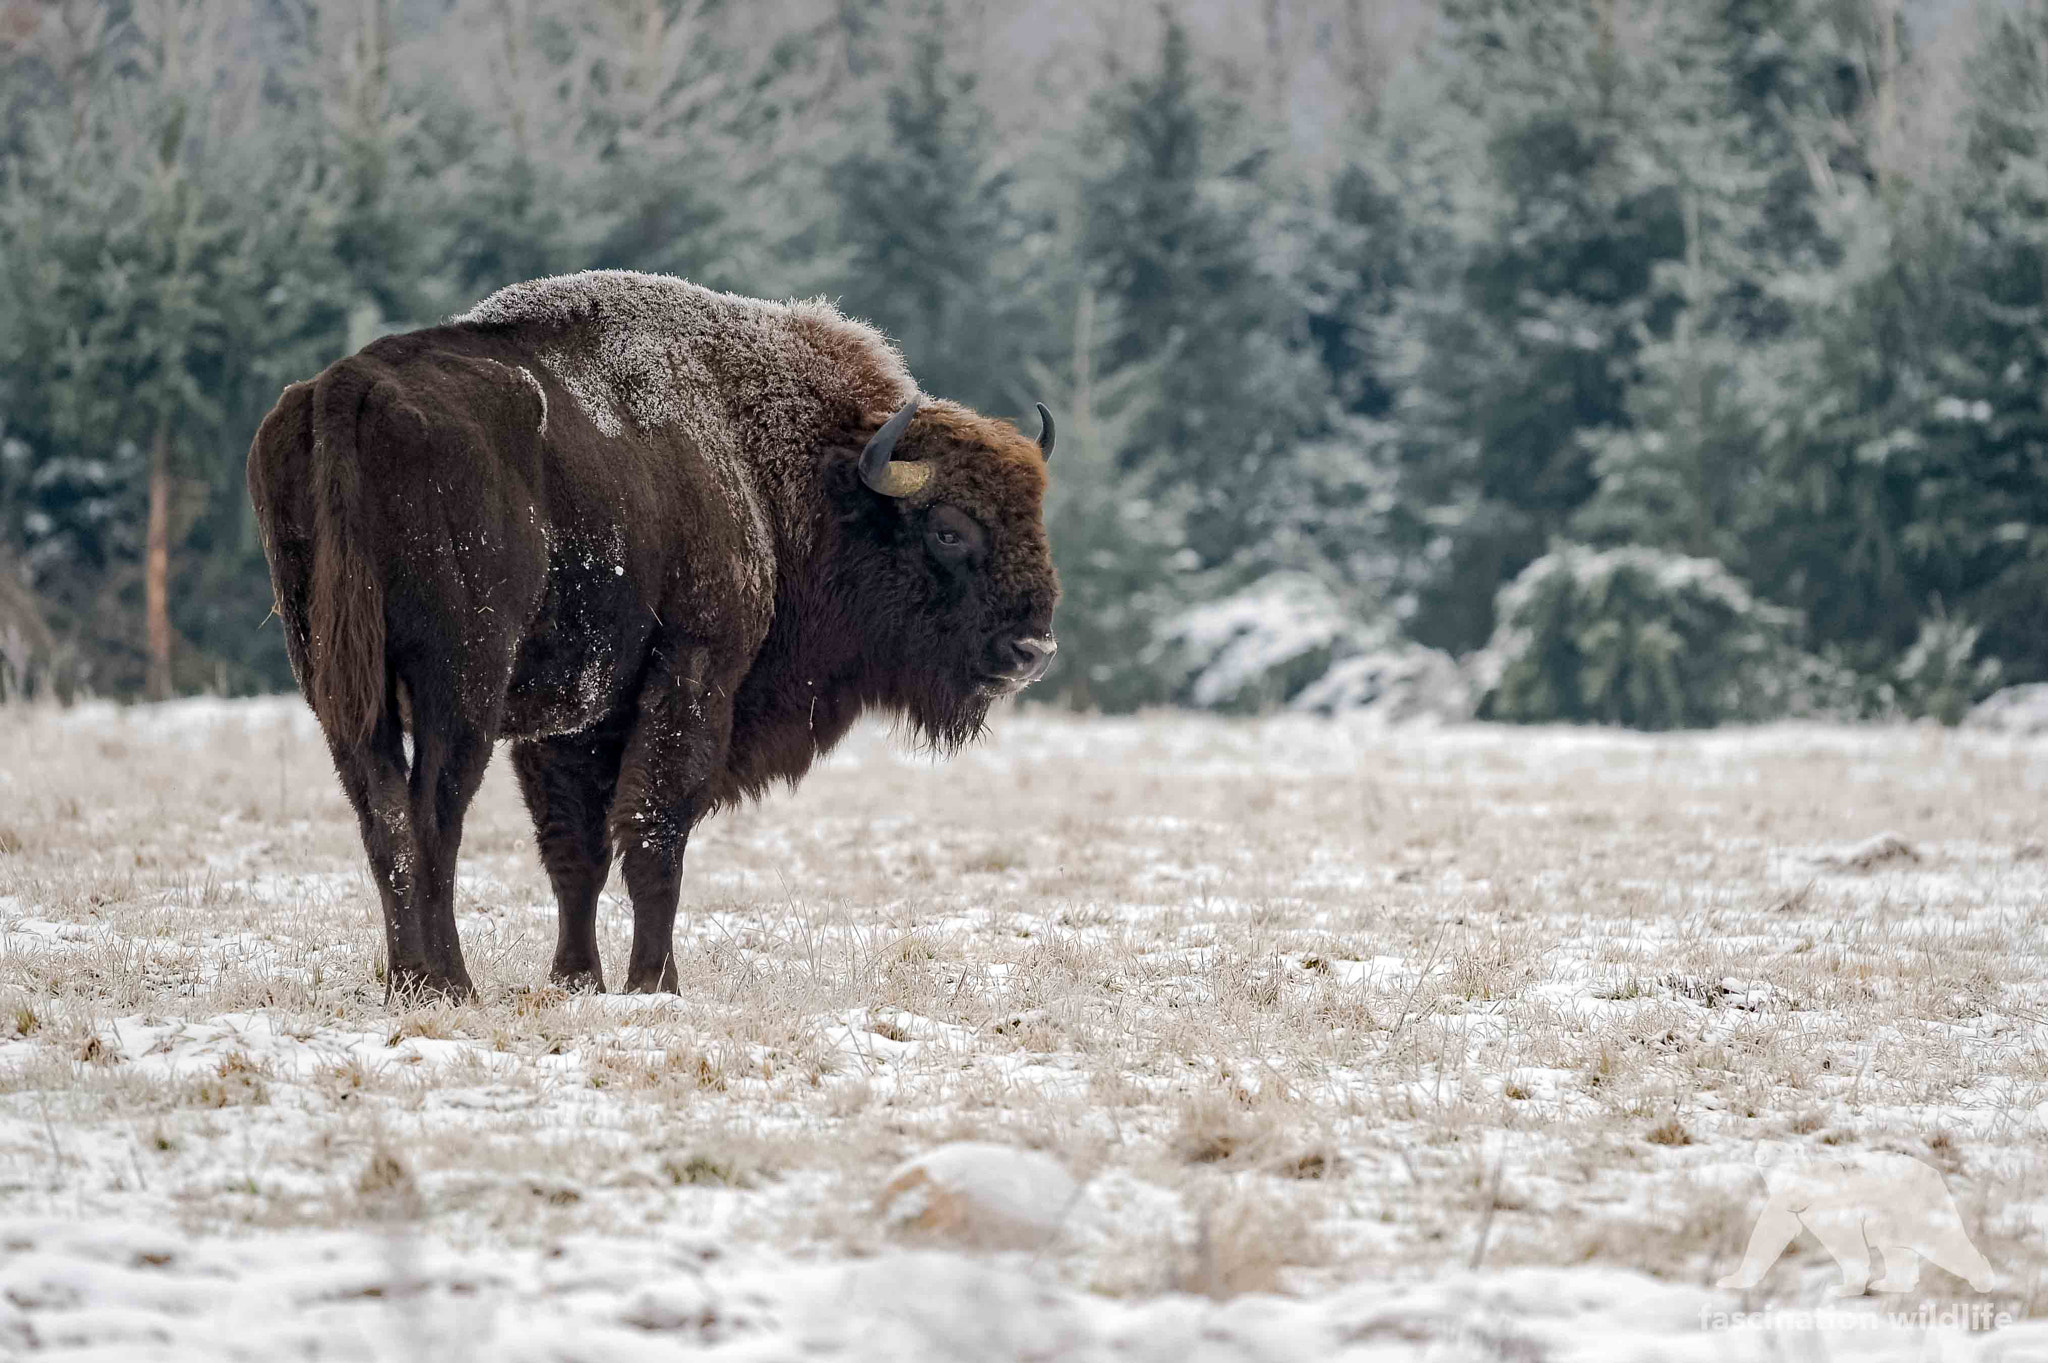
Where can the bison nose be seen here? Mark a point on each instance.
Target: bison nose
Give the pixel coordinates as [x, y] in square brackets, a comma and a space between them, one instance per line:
[1028, 659]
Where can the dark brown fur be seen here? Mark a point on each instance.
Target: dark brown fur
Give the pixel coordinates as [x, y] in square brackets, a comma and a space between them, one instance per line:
[347, 607]
[458, 549]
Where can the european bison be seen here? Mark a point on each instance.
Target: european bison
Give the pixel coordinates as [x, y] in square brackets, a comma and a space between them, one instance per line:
[671, 542]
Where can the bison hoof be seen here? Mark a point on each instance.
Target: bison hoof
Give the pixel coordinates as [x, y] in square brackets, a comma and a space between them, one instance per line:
[589, 981]
[652, 983]
[413, 988]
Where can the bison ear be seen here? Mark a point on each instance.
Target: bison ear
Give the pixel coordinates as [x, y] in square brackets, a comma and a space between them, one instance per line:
[881, 472]
[1045, 432]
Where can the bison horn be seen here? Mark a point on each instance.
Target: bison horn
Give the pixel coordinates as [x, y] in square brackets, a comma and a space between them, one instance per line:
[883, 474]
[1045, 432]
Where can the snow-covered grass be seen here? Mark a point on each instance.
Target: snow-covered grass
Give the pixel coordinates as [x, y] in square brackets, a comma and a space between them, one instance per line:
[1414, 1043]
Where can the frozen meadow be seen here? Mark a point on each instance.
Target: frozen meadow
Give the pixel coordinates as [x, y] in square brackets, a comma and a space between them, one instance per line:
[1356, 1042]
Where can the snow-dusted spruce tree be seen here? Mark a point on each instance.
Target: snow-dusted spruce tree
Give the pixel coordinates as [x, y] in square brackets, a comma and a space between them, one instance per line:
[1595, 352]
[706, 123]
[381, 185]
[1177, 239]
[1303, 612]
[1674, 470]
[1334, 513]
[1255, 649]
[1201, 374]
[1973, 512]
[1900, 428]
[524, 189]
[112, 201]
[1777, 164]
[149, 291]
[930, 229]
[1119, 555]
[1529, 154]
[1643, 638]
[669, 135]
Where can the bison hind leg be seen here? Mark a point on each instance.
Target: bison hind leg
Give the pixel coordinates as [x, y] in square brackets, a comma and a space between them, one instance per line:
[450, 751]
[375, 777]
[568, 784]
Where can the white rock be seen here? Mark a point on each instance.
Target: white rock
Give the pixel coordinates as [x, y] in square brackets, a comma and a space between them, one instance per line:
[980, 1194]
[1871, 852]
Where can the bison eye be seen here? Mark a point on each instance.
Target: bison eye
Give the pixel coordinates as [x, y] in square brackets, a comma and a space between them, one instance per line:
[952, 535]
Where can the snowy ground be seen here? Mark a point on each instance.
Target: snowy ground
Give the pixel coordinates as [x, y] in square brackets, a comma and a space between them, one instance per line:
[1363, 1043]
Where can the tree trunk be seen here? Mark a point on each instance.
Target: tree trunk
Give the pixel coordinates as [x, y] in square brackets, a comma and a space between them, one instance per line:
[156, 581]
[1886, 15]
[1276, 61]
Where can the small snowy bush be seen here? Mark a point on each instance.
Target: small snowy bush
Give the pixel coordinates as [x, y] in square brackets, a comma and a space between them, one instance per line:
[1287, 640]
[1401, 682]
[1643, 638]
[25, 644]
[1941, 674]
[2021, 710]
[1256, 648]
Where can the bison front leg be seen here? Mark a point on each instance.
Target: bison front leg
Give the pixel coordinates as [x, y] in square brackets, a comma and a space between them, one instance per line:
[654, 878]
[677, 743]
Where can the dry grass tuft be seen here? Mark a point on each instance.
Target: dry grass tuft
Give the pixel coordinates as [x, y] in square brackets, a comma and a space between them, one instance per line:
[1669, 1132]
[540, 1001]
[386, 1189]
[383, 1173]
[1944, 1153]
[238, 1081]
[702, 1170]
[1246, 1241]
[433, 1021]
[1241, 1131]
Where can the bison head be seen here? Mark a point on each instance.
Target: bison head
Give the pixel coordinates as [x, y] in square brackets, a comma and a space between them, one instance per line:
[948, 569]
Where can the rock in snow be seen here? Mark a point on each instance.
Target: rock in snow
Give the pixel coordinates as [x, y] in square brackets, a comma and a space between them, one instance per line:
[1871, 852]
[982, 1195]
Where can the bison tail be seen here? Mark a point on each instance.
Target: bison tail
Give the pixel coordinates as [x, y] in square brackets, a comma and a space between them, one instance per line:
[345, 654]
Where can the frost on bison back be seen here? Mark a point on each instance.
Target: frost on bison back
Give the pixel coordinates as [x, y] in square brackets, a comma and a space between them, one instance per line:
[1893, 1204]
[669, 542]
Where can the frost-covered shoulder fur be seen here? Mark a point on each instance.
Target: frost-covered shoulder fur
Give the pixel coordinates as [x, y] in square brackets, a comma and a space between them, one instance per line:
[654, 346]
[752, 383]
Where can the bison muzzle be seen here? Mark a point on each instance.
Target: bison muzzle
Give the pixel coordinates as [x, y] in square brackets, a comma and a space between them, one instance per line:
[669, 542]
